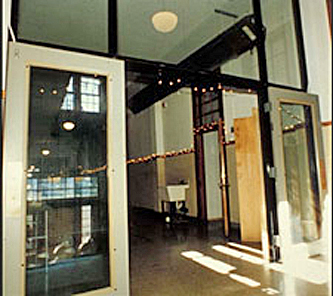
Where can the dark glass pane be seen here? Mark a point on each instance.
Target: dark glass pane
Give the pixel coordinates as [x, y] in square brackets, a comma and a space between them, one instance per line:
[75, 23]
[67, 198]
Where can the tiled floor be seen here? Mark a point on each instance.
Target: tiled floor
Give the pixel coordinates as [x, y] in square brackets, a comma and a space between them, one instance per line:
[158, 268]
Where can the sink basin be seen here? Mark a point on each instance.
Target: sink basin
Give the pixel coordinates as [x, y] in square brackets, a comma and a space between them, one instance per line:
[176, 192]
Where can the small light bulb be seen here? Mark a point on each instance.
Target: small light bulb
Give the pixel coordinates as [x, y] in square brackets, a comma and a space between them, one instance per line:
[203, 90]
[68, 125]
[160, 82]
[219, 86]
[211, 89]
[46, 152]
[195, 89]
[54, 92]
[179, 80]
[171, 83]
[41, 90]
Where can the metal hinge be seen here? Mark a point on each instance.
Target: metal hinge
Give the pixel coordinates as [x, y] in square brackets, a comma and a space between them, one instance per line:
[268, 107]
[276, 241]
[271, 172]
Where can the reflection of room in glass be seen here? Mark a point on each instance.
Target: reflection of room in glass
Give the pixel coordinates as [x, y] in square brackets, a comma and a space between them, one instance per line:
[300, 171]
[67, 201]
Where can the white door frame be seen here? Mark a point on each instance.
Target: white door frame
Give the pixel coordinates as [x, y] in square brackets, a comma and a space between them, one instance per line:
[277, 96]
[21, 57]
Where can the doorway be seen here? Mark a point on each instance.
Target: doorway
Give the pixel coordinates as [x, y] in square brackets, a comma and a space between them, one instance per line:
[229, 153]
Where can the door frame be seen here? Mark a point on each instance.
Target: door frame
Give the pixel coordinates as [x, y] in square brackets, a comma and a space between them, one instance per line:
[276, 96]
[21, 58]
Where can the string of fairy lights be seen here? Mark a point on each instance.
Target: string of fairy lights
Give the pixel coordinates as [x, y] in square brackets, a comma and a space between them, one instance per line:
[154, 156]
[206, 127]
[300, 123]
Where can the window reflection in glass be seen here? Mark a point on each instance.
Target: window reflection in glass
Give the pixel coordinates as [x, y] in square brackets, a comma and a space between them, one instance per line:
[66, 189]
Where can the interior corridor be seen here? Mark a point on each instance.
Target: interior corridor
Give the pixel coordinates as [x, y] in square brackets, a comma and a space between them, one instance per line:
[162, 262]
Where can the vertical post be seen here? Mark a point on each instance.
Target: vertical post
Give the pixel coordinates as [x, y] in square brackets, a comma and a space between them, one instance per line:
[266, 134]
[199, 159]
[1, 197]
[46, 218]
[113, 28]
[224, 180]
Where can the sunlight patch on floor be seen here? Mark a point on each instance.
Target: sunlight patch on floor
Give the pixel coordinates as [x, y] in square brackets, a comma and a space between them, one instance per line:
[244, 280]
[191, 254]
[215, 265]
[246, 248]
[239, 255]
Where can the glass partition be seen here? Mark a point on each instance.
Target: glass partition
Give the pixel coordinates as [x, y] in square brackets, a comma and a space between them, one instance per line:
[245, 66]
[67, 236]
[75, 23]
[170, 31]
[281, 43]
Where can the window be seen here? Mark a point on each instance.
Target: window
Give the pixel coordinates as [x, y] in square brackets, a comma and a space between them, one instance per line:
[62, 188]
[69, 100]
[90, 93]
[86, 94]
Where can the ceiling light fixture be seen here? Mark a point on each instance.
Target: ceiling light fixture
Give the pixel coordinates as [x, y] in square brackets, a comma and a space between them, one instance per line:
[165, 21]
[68, 125]
[45, 152]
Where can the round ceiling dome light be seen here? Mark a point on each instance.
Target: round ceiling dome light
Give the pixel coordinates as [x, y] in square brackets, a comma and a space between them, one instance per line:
[68, 125]
[165, 21]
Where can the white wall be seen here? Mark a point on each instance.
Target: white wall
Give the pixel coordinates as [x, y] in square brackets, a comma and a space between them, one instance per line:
[212, 175]
[142, 178]
[177, 120]
[164, 127]
[318, 51]
[178, 134]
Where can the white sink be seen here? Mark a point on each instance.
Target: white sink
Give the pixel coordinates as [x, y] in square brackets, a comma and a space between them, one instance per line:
[176, 192]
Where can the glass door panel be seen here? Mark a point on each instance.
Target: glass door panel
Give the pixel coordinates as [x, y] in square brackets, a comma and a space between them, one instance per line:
[300, 178]
[66, 192]
[65, 175]
[300, 172]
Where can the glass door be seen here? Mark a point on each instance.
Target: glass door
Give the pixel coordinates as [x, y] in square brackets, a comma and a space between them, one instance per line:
[63, 198]
[300, 172]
